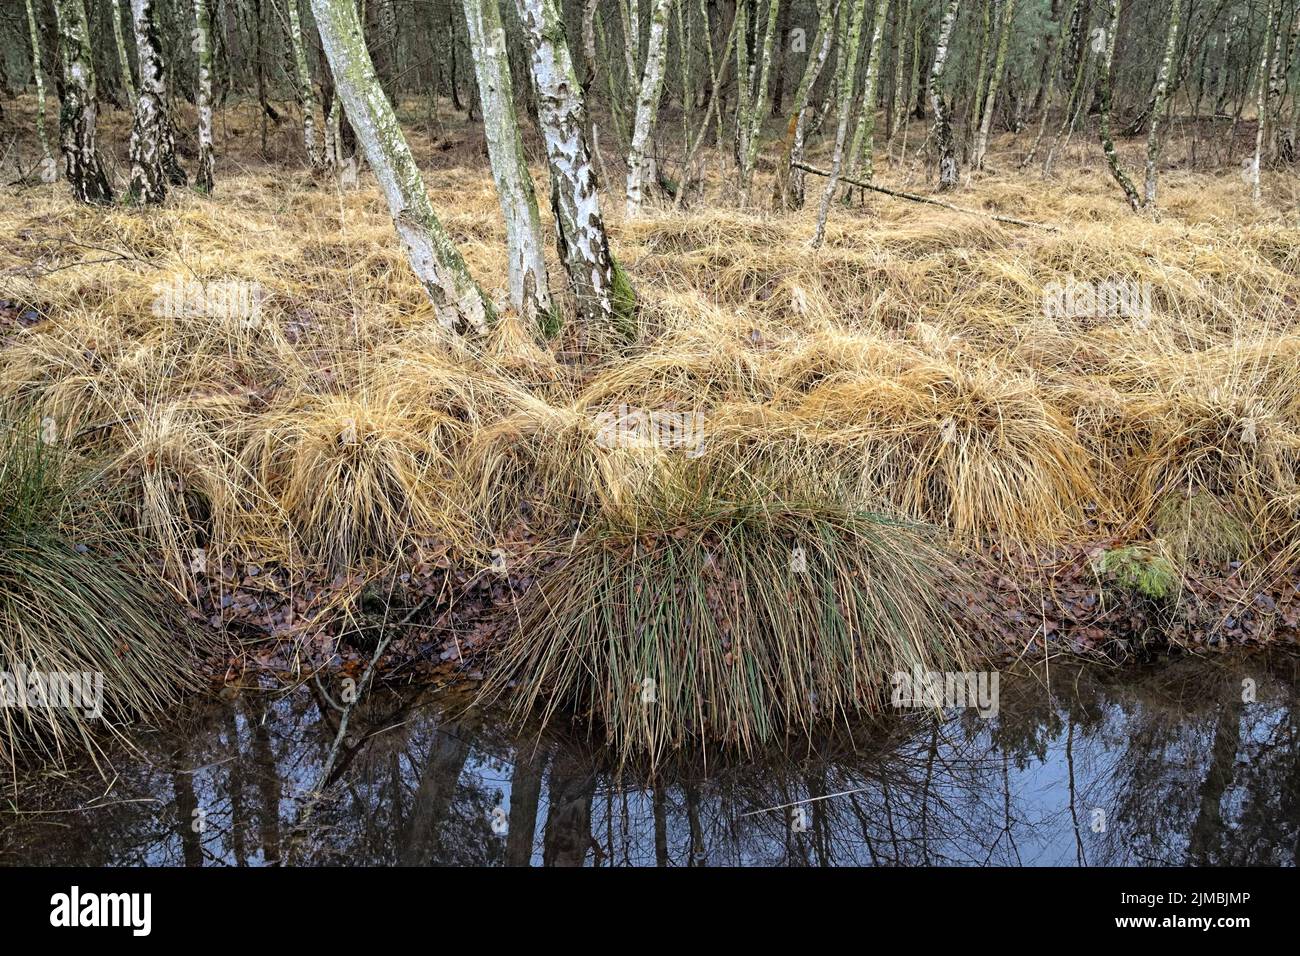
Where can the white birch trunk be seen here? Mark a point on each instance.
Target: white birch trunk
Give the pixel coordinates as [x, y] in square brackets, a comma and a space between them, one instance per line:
[860, 154]
[994, 84]
[203, 98]
[47, 161]
[792, 196]
[647, 106]
[1158, 107]
[939, 102]
[602, 293]
[77, 113]
[457, 301]
[758, 106]
[847, 74]
[150, 130]
[529, 292]
[1261, 102]
[306, 95]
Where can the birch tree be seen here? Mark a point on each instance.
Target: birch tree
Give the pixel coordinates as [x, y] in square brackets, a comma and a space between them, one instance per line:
[602, 292]
[1261, 98]
[1078, 31]
[529, 292]
[1055, 48]
[848, 70]
[860, 155]
[1104, 84]
[47, 161]
[1158, 107]
[757, 108]
[995, 84]
[939, 100]
[710, 107]
[647, 106]
[303, 89]
[790, 177]
[458, 303]
[123, 61]
[77, 112]
[152, 149]
[203, 95]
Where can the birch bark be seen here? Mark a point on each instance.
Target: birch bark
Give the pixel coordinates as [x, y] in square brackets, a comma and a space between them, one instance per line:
[1107, 142]
[303, 88]
[995, 84]
[123, 61]
[529, 293]
[860, 155]
[602, 292]
[47, 161]
[790, 177]
[150, 132]
[458, 303]
[1158, 107]
[848, 70]
[203, 99]
[647, 106]
[939, 101]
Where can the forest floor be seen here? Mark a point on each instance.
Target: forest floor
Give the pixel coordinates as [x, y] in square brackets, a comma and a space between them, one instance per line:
[305, 467]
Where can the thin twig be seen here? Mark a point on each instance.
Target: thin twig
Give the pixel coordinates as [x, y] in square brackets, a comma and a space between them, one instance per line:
[913, 197]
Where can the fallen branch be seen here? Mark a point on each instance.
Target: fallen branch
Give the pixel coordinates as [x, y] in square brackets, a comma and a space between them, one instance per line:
[913, 197]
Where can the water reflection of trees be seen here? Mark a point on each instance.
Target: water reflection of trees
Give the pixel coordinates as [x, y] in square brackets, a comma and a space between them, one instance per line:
[1181, 768]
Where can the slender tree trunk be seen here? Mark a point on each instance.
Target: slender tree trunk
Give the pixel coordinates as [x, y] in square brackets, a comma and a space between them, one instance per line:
[305, 94]
[1276, 81]
[77, 112]
[995, 83]
[939, 101]
[458, 302]
[1261, 99]
[848, 70]
[647, 106]
[1056, 48]
[123, 61]
[709, 111]
[744, 81]
[529, 291]
[782, 44]
[860, 155]
[48, 169]
[897, 115]
[758, 108]
[1073, 103]
[1107, 142]
[601, 290]
[203, 53]
[981, 71]
[152, 149]
[790, 178]
[1158, 106]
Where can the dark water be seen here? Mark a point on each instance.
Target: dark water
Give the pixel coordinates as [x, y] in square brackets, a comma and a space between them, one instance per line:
[1163, 764]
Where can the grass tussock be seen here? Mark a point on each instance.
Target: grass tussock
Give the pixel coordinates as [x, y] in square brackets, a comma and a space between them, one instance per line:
[908, 366]
[71, 610]
[733, 623]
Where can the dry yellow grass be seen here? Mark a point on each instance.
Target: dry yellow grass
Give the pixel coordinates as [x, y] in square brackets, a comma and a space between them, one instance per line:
[908, 363]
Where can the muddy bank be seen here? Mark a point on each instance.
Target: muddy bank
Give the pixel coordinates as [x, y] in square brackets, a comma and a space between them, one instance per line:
[449, 619]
